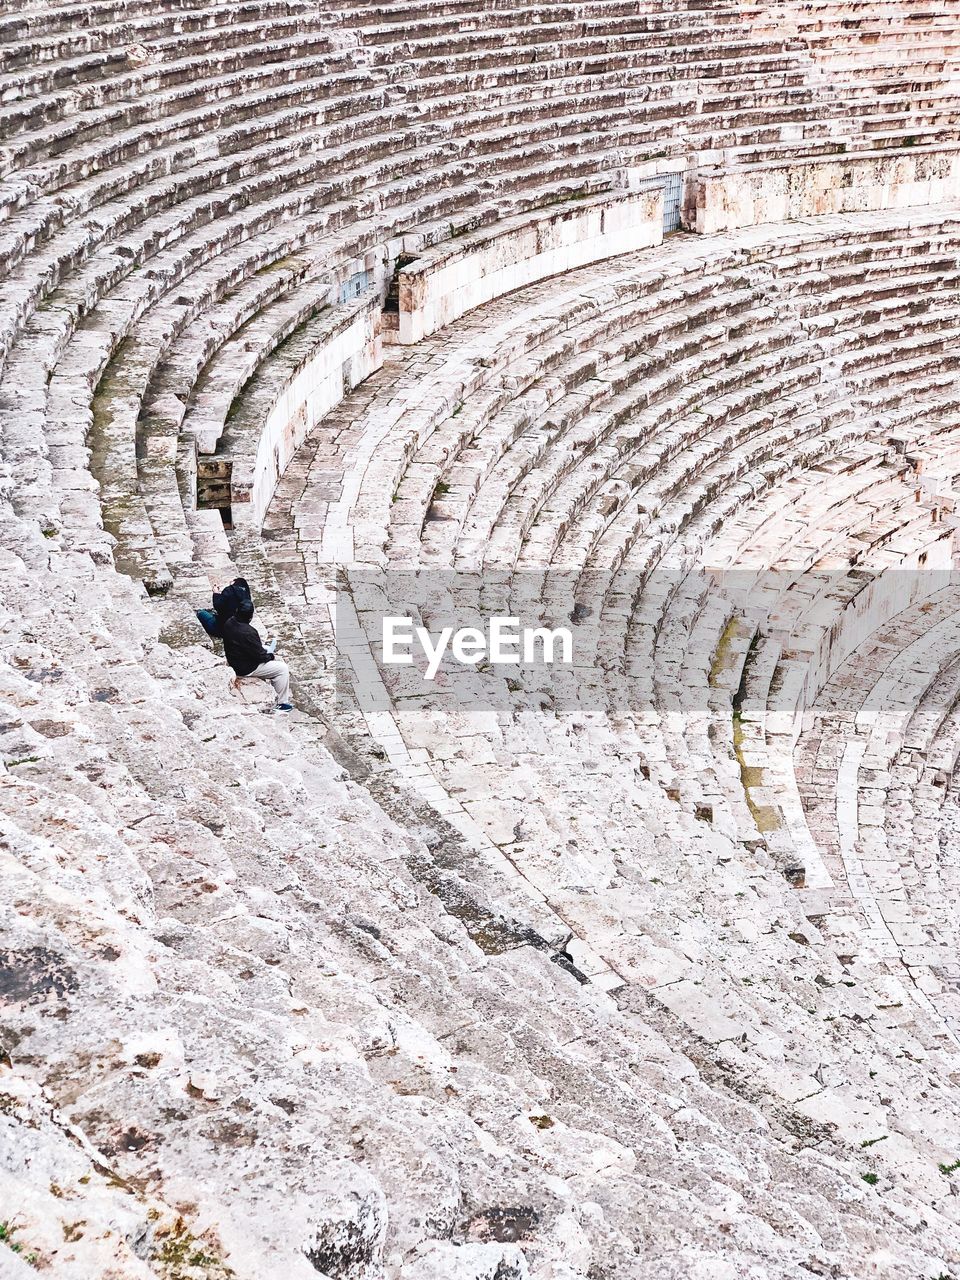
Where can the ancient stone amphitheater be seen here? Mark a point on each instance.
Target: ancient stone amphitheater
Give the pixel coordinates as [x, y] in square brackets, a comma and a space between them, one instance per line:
[652, 977]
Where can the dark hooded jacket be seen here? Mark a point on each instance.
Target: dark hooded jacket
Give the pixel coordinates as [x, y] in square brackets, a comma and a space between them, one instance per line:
[243, 647]
[227, 601]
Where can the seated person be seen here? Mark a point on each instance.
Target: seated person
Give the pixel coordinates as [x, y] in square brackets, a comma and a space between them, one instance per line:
[244, 651]
[225, 604]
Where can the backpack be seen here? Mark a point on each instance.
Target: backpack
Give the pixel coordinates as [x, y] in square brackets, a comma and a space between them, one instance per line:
[210, 622]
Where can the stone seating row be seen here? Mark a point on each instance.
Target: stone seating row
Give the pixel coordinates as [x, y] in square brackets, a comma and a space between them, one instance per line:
[873, 33]
[206, 890]
[117, 274]
[160, 338]
[686, 657]
[803, 651]
[34, 227]
[231, 345]
[174, 85]
[30, 35]
[473, 50]
[770, 742]
[690, 764]
[387, 481]
[184, 123]
[917, 369]
[746, 583]
[880, 717]
[67, 65]
[32, 368]
[579, 799]
[586, 424]
[474, 16]
[27, 41]
[732, 669]
[137, 435]
[252, 481]
[44, 360]
[154, 101]
[915, 805]
[109, 196]
[589, 427]
[31, 232]
[123, 145]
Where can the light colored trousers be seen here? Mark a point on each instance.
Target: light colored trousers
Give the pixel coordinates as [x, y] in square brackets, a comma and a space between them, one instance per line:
[278, 673]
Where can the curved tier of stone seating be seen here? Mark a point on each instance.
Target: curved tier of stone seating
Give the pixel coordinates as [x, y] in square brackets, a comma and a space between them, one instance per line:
[718, 653]
[625, 408]
[888, 718]
[780, 677]
[445, 282]
[502, 444]
[330, 355]
[439, 84]
[580, 881]
[184, 160]
[190, 871]
[258, 883]
[152, 310]
[124, 183]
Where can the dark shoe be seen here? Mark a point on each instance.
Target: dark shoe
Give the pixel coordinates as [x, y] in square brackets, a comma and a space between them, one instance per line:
[284, 706]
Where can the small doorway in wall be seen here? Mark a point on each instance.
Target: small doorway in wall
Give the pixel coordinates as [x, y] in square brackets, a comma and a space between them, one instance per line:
[354, 285]
[214, 477]
[390, 322]
[672, 186]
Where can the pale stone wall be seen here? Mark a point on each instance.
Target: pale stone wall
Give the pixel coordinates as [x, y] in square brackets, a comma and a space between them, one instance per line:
[457, 276]
[845, 184]
[277, 417]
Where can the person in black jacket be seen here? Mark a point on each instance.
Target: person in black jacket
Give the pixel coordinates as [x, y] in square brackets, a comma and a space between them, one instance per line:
[225, 605]
[244, 652]
[227, 601]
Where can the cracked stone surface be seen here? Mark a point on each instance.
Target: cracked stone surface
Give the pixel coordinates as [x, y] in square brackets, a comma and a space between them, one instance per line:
[648, 974]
